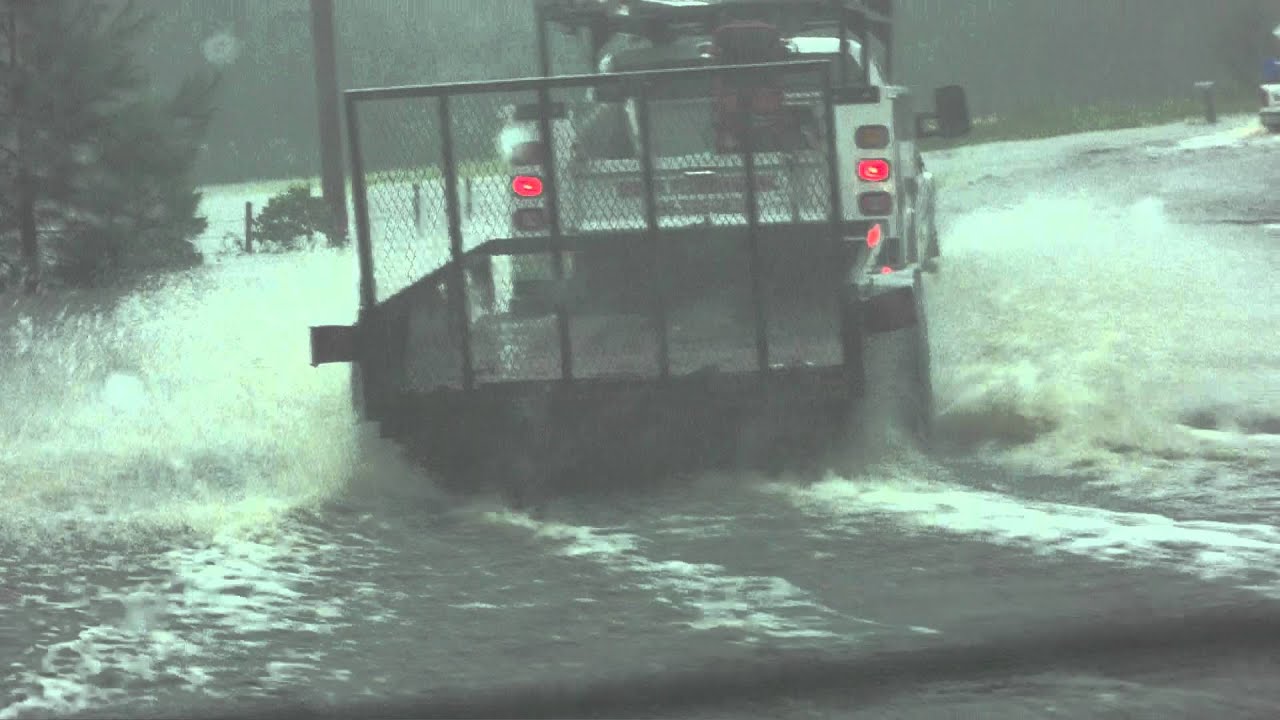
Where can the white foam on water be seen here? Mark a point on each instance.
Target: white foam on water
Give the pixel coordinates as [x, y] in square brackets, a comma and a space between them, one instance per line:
[188, 404]
[1207, 549]
[1067, 332]
[192, 623]
[761, 606]
[185, 410]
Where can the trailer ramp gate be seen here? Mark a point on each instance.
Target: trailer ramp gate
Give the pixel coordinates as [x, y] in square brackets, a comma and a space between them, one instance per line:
[657, 279]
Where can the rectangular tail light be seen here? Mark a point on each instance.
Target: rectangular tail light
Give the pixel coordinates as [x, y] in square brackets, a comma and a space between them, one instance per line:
[875, 204]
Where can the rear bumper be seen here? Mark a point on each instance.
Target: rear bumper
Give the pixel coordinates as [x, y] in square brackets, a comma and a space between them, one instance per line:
[850, 230]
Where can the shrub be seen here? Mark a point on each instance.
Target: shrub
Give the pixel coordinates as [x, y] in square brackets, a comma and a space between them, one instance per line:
[292, 219]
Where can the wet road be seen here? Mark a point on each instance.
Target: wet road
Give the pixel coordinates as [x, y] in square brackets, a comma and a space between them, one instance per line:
[190, 522]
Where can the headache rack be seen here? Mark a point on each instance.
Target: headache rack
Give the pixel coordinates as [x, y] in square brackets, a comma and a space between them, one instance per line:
[659, 21]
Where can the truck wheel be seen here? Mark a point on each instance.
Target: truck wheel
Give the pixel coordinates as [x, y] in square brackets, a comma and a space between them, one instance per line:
[921, 415]
[934, 250]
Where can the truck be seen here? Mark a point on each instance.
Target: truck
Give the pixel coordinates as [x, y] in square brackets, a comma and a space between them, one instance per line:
[674, 262]
[1269, 115]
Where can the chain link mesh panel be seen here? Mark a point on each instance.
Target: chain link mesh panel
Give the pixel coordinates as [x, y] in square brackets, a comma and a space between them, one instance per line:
[713, 279]
[400, 148]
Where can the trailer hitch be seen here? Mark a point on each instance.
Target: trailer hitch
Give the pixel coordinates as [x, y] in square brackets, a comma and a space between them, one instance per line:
[332, 344]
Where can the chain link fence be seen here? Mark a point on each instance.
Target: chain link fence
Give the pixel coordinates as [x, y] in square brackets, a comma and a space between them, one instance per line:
[631, 225]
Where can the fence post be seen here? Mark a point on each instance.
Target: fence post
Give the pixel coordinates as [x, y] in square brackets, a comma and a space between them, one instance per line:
[417, 207]
[248, 227]
[468, 196]
[1210, 110]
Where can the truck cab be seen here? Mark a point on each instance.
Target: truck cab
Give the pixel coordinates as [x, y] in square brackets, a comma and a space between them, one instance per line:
[884, 184]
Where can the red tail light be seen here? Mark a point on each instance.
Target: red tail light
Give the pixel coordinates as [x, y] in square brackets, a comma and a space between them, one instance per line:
[886, 270]
[873, 170]
[874, 234]
[527, 186]
[529, 153]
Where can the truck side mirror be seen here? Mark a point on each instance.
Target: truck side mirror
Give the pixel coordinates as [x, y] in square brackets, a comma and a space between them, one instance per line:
[951, 116]
[953, 111]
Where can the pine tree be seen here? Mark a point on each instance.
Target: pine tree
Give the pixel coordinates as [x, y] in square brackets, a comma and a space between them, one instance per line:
[95, 169]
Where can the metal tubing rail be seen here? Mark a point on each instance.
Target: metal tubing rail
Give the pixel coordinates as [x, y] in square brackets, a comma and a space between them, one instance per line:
[543, 86]
[753, 248]
[402, 92]
[836, 211]
[457, 278]
[553, 217]
[360, 198]
[654, 234]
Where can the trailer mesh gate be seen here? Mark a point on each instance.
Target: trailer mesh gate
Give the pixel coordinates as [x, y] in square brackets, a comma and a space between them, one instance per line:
[697, 235]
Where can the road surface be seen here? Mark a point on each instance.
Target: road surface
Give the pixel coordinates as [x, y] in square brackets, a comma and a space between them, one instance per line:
[189, 520]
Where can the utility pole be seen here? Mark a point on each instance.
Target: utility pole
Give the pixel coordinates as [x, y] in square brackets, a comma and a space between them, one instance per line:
[24, 186]
[332, 181]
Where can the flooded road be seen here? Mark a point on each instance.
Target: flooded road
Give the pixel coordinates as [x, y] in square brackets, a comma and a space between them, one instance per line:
[190, 518]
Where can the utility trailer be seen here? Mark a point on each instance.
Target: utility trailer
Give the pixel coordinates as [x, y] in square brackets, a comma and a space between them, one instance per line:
[673, 263]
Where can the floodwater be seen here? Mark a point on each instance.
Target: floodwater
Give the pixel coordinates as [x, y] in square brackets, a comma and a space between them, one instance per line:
[190, 517]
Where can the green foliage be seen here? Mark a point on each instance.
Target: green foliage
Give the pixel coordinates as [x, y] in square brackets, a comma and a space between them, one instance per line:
[110, 162]
[292, 217]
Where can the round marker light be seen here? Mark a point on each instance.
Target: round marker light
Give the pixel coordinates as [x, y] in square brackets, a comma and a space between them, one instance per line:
[527, 186]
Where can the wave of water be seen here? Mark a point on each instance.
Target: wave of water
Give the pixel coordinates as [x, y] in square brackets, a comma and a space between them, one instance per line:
[188, 404]
[1069, 333]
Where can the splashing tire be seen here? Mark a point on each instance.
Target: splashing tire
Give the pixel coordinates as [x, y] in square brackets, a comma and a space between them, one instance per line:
[923, 411]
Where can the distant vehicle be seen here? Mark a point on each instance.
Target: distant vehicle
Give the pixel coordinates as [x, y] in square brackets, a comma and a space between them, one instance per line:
[699, 242]
[1270, 113]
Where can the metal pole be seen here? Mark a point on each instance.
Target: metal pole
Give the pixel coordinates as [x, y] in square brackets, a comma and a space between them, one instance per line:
[457, 276]
[651, 228]
[25, 186]
[850, 334]
[1210, 109]
[360, 199]
[323, 43]
[553, 211]
[417, 207]
[544, 47]
[837, 7]
[753, 240]
[248, 227]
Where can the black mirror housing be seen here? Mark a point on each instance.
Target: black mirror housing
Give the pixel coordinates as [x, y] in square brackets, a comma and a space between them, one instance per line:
[952, 111]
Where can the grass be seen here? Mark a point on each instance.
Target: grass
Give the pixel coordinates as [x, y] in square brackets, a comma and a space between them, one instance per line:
[1052, 121]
